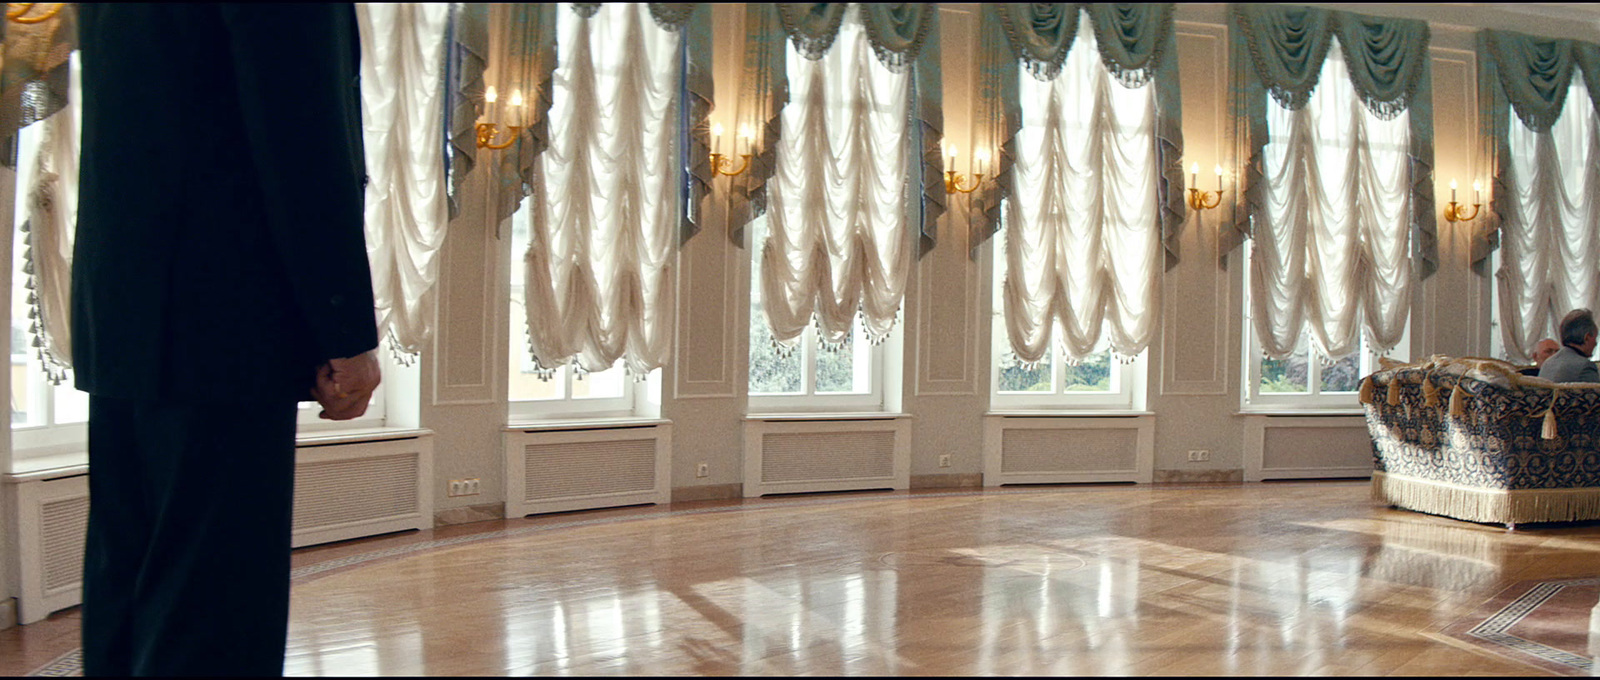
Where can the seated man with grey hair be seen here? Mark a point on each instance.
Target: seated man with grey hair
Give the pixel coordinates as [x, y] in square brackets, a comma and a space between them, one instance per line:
[1542, 350]
[1572, 363]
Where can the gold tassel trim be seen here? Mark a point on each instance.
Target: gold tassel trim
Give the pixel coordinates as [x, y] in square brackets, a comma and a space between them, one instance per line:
[1430, 392]
[1499, 506]
[1458, 401]
[1394, 391]
[1549, 429]
[1366, 390]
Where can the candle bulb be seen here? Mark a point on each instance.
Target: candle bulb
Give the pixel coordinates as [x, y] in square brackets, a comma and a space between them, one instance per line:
[1194, 175]
[1219, 177]
[1477, 186]
[980, 159]
[489, 95]
[1452, 190]
[716, 139]
[747, 136]
[951, 150]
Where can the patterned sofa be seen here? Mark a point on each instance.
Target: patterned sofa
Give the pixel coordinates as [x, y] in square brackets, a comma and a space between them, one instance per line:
[1474, 440]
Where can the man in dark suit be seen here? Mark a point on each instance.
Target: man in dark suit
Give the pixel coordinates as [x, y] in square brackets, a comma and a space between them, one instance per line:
[219, 277]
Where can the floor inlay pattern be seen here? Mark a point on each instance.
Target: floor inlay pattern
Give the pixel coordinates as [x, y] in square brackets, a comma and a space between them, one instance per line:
[1535, 622]
[1302, 578]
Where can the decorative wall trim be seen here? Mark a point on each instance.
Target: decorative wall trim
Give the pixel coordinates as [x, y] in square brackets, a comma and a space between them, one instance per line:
[1196, 300]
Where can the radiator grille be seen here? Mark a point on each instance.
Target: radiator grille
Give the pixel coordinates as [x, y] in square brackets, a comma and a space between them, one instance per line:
[1069, 450]
[63, 524]
[339, 491]
[1316, 447]
[578, 469]
[827, 456]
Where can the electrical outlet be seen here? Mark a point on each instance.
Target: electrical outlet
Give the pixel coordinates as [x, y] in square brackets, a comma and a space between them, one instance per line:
[944, 460]
[702, 470]
[464, 487]
[1199, 455]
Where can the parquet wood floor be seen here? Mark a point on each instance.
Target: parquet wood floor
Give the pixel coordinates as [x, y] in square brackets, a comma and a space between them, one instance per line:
[1304, 578]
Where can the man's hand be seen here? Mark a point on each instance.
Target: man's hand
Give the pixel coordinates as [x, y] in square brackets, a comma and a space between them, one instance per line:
[344, 386]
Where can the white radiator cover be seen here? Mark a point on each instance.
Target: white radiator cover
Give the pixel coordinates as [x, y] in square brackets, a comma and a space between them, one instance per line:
[584, 468]
[356, 489]
[1306, 447]
[811, 455]
[1060, 450]
[52, 516]
[343, 490]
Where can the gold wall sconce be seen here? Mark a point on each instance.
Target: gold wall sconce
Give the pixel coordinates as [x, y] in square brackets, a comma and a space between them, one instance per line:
[24, 12]
[488, 131]
[1203, 200]
[953, 180]
[1456, 212]
[720, 164]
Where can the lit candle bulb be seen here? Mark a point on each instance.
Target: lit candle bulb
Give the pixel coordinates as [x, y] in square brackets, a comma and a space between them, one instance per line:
[716, 139]
[746, 135]
[1219, 177]
[1477, 186]
[489, 95]
[1452, 190]
[1194, 175]
[951, 151]
[980, 159]
[515, 114]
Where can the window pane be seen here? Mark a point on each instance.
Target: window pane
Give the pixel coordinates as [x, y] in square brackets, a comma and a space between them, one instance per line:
[607, 384]
[836, 366]
[1343, 375]
[1015, 377]
[19, 392]
[771, 372]
[1090, 374]
[1285, 375]
[72, 406]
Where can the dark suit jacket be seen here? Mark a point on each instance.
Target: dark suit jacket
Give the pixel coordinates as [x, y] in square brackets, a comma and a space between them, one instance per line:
[220, 251]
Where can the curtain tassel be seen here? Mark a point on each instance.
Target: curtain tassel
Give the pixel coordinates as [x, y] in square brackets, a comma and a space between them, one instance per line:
[1430, 393]
[1458, 401]
[1549, 431]
[1394, 391]
[1366, 390]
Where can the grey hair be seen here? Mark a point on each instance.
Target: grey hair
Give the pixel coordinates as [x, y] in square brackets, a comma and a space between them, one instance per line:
[1577, 326]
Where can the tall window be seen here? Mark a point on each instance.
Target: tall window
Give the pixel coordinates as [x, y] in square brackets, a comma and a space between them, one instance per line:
[591, 294]
[1337, 204]
[1080, 240]
[832, 254]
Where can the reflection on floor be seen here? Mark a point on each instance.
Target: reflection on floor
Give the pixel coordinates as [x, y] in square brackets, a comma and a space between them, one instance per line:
[1284, 578]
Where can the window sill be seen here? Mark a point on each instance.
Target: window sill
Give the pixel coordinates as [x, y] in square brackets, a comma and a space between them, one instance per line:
[44, 465]
[1302, 412]
[357, 435]
[1069, 413]
[583, 424]
[777, 417]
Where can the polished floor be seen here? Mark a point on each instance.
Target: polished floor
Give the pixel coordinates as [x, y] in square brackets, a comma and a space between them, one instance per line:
[1304, 578]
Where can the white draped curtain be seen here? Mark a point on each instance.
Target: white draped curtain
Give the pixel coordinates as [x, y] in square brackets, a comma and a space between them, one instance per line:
[1082, 227]
[1550, 224]
[1332, 255]
[606, 209]
[838, 238]
[49, 196]
[402, 113]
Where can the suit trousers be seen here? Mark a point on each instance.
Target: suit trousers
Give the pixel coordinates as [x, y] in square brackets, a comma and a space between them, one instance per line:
[186, 569]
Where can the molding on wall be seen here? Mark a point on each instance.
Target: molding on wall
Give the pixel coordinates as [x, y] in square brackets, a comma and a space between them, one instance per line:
[708, 492]
[972, 480]
[948, 308]
[473, 250]
[1182, 321]
[1199, 477]
[472, 513]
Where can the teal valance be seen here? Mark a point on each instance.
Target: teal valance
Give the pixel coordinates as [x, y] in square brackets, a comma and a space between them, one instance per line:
[466, 54]
[1527, 76]
[525, 51]
[1138, 46]
[1279, 52]
[902, 35]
